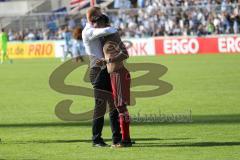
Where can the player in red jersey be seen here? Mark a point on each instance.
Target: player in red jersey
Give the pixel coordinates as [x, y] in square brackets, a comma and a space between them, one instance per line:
[115, 53]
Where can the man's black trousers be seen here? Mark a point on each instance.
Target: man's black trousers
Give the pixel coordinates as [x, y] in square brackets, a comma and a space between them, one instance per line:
[101, 82]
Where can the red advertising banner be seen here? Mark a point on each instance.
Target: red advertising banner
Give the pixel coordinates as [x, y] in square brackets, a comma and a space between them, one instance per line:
[197, 45]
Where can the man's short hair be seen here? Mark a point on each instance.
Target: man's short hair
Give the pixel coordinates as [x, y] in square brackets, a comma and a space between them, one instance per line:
[92, 13]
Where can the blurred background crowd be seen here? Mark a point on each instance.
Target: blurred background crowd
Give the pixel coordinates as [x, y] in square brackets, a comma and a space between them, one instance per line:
[146, 18]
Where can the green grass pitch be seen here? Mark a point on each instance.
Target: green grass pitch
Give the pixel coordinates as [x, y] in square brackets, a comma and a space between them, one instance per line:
[208, 85]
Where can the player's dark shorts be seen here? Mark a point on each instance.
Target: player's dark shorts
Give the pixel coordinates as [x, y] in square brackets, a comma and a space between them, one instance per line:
[121, 81]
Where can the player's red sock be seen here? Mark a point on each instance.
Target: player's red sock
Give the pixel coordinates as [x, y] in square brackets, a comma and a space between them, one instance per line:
[124, 119]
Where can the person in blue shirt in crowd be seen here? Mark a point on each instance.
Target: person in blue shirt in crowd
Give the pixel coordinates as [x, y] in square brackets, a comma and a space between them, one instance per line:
[77, 45]
[67, 36]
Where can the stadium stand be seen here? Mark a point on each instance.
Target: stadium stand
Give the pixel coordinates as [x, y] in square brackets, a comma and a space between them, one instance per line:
[142, 18]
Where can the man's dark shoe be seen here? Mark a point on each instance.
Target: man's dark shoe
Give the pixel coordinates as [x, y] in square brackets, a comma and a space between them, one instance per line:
[100, 144]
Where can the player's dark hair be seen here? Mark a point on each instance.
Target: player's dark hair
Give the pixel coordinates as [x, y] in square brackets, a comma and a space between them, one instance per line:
[103, 20]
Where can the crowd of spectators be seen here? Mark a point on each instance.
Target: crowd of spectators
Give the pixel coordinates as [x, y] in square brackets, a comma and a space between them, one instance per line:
[146, 18]
[34, 34]
[54, 29]
[179, 17]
